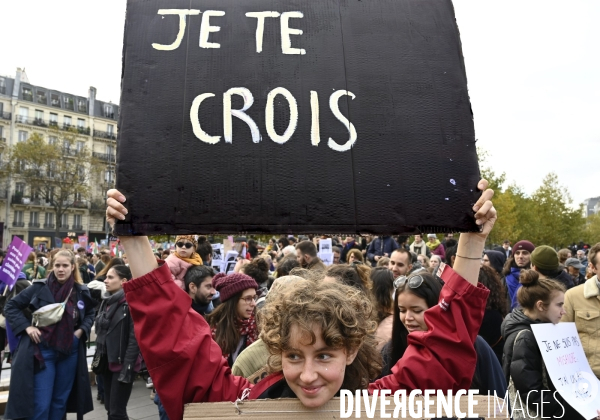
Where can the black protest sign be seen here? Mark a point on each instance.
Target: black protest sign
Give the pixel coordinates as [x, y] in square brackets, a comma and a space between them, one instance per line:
[281, 116]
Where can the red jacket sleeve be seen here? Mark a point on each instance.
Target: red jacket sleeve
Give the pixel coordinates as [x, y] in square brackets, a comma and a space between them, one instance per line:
[444, 356]
[185, 364]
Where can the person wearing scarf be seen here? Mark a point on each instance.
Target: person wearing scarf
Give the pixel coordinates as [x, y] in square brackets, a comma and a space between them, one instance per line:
[183, 258]
[435, 246]
[232, 323]
[116, 339]
[51, 360]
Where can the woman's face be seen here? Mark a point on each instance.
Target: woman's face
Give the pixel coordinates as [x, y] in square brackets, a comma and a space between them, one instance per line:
[435, 263]
[314, 372]
[555, 310]
[271, 242]
[62, 269]
[246, 304]
[113, 282]
[412, 311]
[421, 259]
[183, 251]
[351, 258]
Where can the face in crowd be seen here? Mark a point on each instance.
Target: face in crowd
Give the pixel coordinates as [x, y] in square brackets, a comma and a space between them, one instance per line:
[522, 258]
[246, 304]
[62, 268]
[185, 248]
[400, 263]
[204, 293]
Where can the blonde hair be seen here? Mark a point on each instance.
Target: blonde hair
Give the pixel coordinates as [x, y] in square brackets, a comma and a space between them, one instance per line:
[71, 256]
[340, 312]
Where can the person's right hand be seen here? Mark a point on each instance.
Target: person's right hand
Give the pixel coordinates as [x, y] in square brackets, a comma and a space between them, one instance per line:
[34, 334]
[114, 209]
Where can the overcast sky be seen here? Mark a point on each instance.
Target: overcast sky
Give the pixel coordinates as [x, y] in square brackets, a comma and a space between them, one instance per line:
[533, 68]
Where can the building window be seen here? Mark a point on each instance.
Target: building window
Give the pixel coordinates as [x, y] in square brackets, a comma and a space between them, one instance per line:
[2, 86]
[80, 146]
[39, 117]
[23, 135]
[53, 119]
[49, 220]
[55, 100]
[67, 120]
[18, 221]
[41, 97]
[110, 130]
[34, 219]
[77, 221]
[67, 146]
[27, 93]
[110, 152]
[109, 176]
[51, 169]
[108, 111]
[64, 221]
[20, 188]
[2, 134]
[68, 101]
[80, 123]
[23, 114]
[52, 140]
[82, 105]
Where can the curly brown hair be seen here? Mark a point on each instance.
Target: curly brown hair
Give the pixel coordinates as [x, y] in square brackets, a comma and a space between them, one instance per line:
[497, 298]
[340, 312]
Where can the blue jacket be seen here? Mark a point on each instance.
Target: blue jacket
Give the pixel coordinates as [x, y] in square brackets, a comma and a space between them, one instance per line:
[381, 246]
[512, 285]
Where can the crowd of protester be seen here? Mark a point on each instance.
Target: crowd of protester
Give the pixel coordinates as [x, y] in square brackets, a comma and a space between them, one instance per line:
[282, 317]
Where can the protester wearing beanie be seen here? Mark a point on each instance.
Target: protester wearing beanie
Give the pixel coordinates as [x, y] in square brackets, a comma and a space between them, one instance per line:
[520, 260]
[232, 323]
[544, 260]
[496, 260]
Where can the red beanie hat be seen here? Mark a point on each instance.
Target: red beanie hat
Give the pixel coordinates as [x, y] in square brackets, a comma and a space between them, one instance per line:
[526, 245]
[229, 285]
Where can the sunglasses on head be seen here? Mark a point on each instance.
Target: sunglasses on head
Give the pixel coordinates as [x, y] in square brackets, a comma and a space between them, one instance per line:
[414, 282]
[187, 245]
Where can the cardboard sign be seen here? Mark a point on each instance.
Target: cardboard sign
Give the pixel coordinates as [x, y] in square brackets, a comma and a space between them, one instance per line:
[486, 408]
[568, 367]
[277, 116]
[16, 256]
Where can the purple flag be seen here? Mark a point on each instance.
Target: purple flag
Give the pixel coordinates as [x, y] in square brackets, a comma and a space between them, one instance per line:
[16, 255]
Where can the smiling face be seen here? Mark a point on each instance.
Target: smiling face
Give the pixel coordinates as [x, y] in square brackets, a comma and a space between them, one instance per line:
[314, 372]
[62, 269]
[522, 258]
[412, 311]
[246, 304]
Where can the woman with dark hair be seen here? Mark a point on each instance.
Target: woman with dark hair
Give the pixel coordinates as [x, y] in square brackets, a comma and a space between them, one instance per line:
[383, 294]
[258, 269]
[232, 323]
[110, 264]
[355, 255]
[494, 259]
[495, 310]
[348, 275]
[415, 295]
[285, 264]
[116, 339]
[252, 248]
[50, 372]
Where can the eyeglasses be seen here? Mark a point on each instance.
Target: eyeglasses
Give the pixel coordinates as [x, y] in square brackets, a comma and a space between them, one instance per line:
[249, 299]
[187, 245]
[414, 282]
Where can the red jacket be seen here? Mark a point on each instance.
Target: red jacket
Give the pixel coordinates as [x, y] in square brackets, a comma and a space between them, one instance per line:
[186, 365]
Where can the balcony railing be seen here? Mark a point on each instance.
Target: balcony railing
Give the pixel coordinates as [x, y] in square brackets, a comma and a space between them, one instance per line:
[48, 225]
[107, 157]
[98, 205]
[18, 224]
[5, 115]
[84, 130]
[34, 224]
[82, 204]
[16, 199]
[77, 227]
[105, 135]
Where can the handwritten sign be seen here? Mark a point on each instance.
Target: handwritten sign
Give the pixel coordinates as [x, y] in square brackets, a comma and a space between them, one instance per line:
[16, 256]
[568, 367]
[271, 116]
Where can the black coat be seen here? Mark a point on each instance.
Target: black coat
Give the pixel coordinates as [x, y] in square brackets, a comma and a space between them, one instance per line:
[523, 361]
[119, 341]
[21, 381]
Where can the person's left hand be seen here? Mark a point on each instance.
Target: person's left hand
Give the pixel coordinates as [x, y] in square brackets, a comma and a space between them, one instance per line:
[78, 333]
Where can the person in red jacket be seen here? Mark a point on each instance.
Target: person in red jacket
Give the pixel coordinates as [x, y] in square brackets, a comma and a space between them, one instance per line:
[188, 366]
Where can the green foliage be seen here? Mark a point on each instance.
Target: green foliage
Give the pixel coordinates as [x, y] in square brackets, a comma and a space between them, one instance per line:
[57, 173]
[547, 217]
